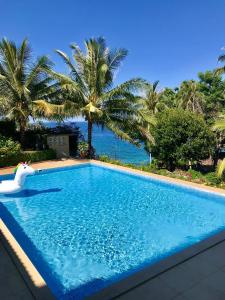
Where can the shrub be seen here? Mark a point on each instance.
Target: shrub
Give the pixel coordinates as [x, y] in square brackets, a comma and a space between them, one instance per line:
[181, 135]
[104, 158]
[212, 178]
[33, 156]
[7, 145]
[82, 150]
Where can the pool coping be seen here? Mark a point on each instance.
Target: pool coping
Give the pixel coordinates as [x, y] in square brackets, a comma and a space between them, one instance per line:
[34, 280]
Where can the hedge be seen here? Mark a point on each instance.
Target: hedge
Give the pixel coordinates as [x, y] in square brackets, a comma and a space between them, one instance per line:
[33, 156]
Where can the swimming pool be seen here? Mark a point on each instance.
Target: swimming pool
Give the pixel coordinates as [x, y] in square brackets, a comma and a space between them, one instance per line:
[89, 226]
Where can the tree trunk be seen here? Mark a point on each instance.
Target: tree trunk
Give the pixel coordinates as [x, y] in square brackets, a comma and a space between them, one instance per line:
[90, 125]
[22, 137]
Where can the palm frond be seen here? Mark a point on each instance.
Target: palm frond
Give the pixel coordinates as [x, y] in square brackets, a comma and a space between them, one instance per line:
[42, 108]
[221, 58]
[220, 168]
[219, 124]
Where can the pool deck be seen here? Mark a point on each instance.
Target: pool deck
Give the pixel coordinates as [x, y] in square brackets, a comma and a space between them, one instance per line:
[197, 272]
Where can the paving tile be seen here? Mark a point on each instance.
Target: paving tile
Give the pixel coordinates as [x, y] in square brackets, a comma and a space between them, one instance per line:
[203, 291]
[216, 281]
[12, 285]
[219, 253]
[200, 266]
[152, 290]
[214, 256]
[180, 297]
[180, 278]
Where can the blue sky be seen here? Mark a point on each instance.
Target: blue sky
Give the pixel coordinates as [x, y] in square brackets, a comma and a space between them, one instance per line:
[167, 40]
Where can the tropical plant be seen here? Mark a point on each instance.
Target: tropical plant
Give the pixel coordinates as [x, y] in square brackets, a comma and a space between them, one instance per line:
[24, 85]
[83, 150]
[219, 124]
[168, 99]
[149, 104]
[189, 97]
[220, 169]
[7, 145]
[88, 89]
[181, 135]
[151, 100]
[212, 86]
[221, 59]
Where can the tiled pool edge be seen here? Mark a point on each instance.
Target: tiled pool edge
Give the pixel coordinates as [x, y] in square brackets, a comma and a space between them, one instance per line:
[32, 278]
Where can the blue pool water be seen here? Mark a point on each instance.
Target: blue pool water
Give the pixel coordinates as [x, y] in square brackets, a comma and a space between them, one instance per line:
[86, 227]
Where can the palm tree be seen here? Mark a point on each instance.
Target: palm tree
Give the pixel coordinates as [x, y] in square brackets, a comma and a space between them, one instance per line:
[24, 85]
[149, 104]
[152, 97]
[221, 59]
[88, 89]
[189, 97]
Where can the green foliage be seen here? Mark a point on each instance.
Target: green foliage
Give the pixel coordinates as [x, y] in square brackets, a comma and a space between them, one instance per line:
[181, 135]
[7, 145]
[212, 178]
[24, 84]
[195, 174]
[212, 86]
[168, 98]
[220, 169]
[12, 159]
[190, 97]
[104, 158]
[83, 150]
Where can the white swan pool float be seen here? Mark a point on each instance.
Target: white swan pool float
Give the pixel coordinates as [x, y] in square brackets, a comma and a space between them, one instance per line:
[16, 185]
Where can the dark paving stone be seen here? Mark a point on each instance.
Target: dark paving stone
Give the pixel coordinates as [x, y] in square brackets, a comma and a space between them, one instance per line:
[216, 281]
[218, 253]
[152, 290]
[12, 286]
[214, 256]
[203, 291]
[180, 278]
[199, 266]
[180, 297]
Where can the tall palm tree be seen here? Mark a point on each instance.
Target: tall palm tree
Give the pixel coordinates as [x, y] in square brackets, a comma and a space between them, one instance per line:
[88, 89]
[149, 105]
[152, 97]
[24, 85]
[189, 97]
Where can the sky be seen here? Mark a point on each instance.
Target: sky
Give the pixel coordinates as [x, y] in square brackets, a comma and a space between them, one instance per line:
[167, 40]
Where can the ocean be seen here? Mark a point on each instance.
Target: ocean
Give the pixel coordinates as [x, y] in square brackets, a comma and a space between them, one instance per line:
[106, 143]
